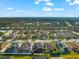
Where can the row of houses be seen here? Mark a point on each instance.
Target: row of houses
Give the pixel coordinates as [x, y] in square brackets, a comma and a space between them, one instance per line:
[52, 48]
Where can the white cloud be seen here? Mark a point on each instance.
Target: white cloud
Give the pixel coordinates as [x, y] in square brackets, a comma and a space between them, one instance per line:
[52, 9]
[46, 0]
[58, 9]
[42, 0]
[36, 2]
[68, 0]
[18, 11]
[73, 2]
[47, 9]
[76, 2]
[49, 4]
[10, 8]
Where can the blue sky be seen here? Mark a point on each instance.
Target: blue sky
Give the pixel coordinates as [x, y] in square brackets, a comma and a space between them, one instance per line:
[39, 8]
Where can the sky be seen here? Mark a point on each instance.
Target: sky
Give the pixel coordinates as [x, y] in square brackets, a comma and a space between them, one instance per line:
[39, 8]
